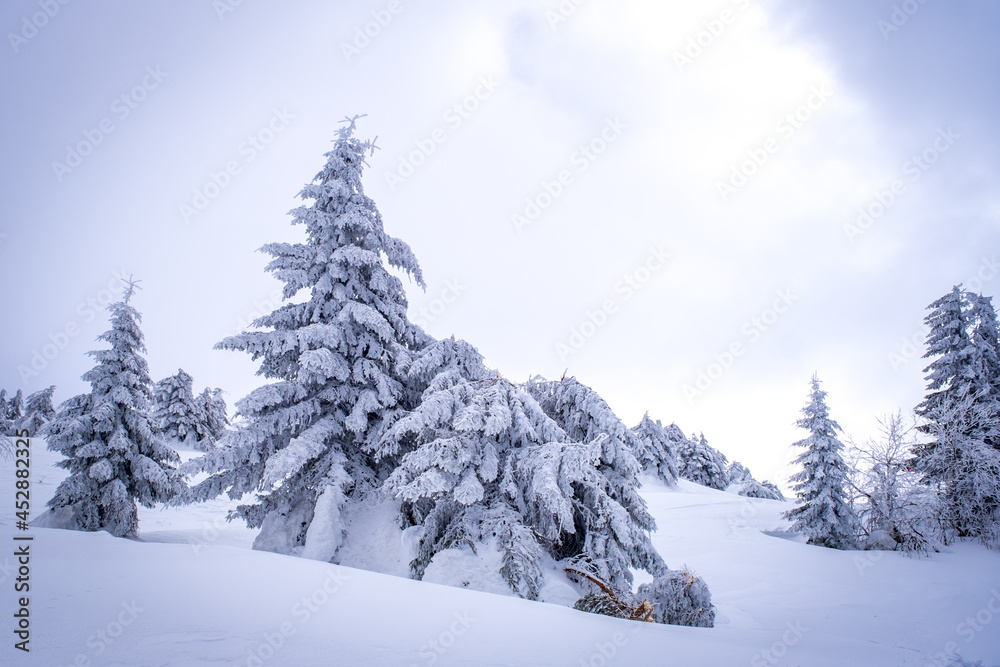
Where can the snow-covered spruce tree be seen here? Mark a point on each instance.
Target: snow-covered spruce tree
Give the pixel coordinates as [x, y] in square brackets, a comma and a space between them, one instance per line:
[459, 438]
[177, 416]
[212, 413]
[823, 513]
[311, 440]
[588, 420]
[985, 361]
[604, 440]
[951, 375]
[742, 482]
[487, 465]
[15, 409]
[38, 411]
[960, 418]
[6, 425]
[657, 454]
[701, 463]
[112, 454]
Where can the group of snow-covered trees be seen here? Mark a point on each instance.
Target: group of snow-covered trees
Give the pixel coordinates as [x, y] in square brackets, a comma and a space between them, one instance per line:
[118, 438]
[902, 491]
[108, 438]
[20, 414]
[699, 462]
[363, 406]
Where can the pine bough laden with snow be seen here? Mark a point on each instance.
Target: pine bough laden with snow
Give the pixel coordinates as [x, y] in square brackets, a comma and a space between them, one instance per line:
[113, 456]
[823, 513]
[618, 513]
[961, 413]
[701, 463]
[311, 441]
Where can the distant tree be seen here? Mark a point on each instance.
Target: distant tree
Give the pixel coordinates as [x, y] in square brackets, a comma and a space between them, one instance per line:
[823, 512]
[212, 413]
[15, 409]
[6, 425]
[38, 412]
[657, 454]
[177, 414]
[742, 482]
[112, 454]
[701, 463]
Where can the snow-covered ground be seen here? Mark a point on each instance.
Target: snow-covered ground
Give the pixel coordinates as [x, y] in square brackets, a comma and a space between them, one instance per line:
[192, 593]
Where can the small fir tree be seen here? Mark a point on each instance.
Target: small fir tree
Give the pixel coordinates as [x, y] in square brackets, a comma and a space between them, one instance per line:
[823, 512]
[112, 454]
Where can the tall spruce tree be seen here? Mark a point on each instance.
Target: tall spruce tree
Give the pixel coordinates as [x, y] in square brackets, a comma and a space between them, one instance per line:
[951, 373]
[823, 513]
[311, 440]
[112, 454]
[961, 417]
[985, 341]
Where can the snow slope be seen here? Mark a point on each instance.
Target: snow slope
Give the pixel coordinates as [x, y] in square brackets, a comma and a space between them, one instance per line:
[192, 593]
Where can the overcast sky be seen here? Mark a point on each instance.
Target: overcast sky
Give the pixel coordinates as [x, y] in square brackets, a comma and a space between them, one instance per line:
[691, 206]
